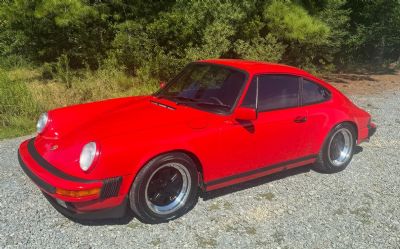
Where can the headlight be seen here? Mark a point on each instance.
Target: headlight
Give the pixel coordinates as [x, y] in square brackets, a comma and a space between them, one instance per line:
[88, 155]
[42, 122]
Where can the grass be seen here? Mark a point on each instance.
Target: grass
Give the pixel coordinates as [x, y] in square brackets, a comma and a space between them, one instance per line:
[17, 107]
[25, 93]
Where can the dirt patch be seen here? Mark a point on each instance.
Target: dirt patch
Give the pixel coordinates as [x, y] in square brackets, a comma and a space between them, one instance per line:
[364, 84]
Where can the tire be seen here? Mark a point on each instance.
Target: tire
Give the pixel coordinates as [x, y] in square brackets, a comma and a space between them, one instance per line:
[165, 188]
[337, 150]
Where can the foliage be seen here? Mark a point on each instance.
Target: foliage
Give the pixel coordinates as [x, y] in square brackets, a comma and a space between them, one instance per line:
[374, 30]
[292, 22]
[260, 48]
[16, 106]
[159, 37]
[63, 52]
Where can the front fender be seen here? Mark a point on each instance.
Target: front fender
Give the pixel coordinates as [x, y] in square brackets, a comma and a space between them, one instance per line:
[128, 154]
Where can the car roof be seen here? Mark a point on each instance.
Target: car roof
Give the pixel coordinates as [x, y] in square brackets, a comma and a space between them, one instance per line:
[256, 67]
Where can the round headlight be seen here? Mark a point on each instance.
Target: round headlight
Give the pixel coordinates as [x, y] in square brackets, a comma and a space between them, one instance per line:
[87, 155]
[42, 122]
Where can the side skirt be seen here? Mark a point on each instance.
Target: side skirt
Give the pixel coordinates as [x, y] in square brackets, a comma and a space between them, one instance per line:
[260, 172]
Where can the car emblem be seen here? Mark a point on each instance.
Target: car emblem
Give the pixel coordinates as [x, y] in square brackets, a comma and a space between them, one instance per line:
[54, 147]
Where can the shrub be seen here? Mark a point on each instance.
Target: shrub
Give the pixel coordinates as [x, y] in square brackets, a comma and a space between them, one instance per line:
[63, 71]
[18, 111]
[261, 49]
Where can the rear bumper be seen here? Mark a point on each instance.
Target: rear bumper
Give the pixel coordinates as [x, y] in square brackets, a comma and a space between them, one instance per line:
[366, 133]
[48, 178]
[371, 129]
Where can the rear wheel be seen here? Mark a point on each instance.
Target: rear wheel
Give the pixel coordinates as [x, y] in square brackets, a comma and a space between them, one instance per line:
[166, 188]
[337, 150]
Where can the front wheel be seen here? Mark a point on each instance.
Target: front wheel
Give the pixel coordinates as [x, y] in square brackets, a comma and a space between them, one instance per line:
[337, 150]
[166, 188]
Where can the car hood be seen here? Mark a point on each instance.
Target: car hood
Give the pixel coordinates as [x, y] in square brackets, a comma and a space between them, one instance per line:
[70, 128]
[122, 116]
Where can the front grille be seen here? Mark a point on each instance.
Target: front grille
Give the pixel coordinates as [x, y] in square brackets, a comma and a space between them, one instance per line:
[110, 187]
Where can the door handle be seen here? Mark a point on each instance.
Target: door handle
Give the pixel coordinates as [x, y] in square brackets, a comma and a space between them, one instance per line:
[300, 119]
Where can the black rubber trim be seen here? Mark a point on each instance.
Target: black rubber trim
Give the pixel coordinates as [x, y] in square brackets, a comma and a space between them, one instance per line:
[371, 131]
[260, 170]
[46, 165]
[70, 212]
[42, 184]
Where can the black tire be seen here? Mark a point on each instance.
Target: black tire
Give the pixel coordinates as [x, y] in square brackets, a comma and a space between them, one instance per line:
[143, 206]
[324, 161]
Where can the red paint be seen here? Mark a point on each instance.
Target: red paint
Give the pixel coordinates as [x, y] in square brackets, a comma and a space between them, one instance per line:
[245, 114]
[131, 131]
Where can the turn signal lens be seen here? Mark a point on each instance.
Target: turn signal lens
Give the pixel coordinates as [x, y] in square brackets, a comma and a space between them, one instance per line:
[78, 193]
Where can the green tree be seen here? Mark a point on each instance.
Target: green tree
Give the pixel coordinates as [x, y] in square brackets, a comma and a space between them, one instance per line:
[157, 38]
[374, 28]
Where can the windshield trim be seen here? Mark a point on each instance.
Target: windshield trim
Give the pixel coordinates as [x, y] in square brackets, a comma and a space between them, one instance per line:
[235, 103]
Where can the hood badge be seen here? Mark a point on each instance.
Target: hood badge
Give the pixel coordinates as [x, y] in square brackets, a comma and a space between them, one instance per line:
[54, 147]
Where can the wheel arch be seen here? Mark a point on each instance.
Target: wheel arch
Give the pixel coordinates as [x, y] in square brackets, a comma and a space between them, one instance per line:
[328, 130]
[192, 156]
[350, 122]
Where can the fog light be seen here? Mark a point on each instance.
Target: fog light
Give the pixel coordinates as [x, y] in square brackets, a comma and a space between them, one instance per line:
[78, 193]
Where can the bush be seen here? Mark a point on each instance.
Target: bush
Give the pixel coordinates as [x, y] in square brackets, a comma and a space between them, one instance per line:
[63, 71]
[18, 111]
[47, 71]
[261, 49]
[13, 61]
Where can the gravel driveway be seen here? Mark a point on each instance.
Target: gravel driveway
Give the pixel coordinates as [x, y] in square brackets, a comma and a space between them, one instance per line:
[357, 208]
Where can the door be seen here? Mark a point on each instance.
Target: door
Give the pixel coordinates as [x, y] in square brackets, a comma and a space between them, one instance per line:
[281, 124]
[235, 154]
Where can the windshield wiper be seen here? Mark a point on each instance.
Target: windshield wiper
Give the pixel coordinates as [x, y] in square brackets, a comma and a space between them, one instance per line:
[214, 104]
[183, 99]
[178, 98]
[186, 100]
[199, 102]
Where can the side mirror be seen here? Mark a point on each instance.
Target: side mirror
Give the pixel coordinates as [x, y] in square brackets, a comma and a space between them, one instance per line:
[162, 84]
[245, 113]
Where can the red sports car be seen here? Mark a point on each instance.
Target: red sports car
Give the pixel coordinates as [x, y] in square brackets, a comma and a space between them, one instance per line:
[217, 123]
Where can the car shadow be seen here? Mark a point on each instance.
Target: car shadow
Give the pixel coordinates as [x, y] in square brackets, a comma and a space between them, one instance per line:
[358, 149]
[124, 220]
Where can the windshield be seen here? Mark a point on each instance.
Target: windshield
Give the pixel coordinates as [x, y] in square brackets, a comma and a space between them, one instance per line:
[206, 86]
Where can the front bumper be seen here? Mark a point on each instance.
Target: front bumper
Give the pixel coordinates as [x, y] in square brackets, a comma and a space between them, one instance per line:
[68, 210]
[48, 178]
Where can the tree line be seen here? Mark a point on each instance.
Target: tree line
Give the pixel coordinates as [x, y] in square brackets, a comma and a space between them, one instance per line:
[158, 37]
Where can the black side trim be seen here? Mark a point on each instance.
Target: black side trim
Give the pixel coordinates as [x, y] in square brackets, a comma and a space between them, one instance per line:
[260, 170]
[40, 160]
[47, 187]
[110, 187]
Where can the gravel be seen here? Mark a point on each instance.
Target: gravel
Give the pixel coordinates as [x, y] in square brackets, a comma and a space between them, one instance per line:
[356, 208]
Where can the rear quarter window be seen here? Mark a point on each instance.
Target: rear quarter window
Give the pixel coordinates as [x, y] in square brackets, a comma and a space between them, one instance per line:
[314, 93]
